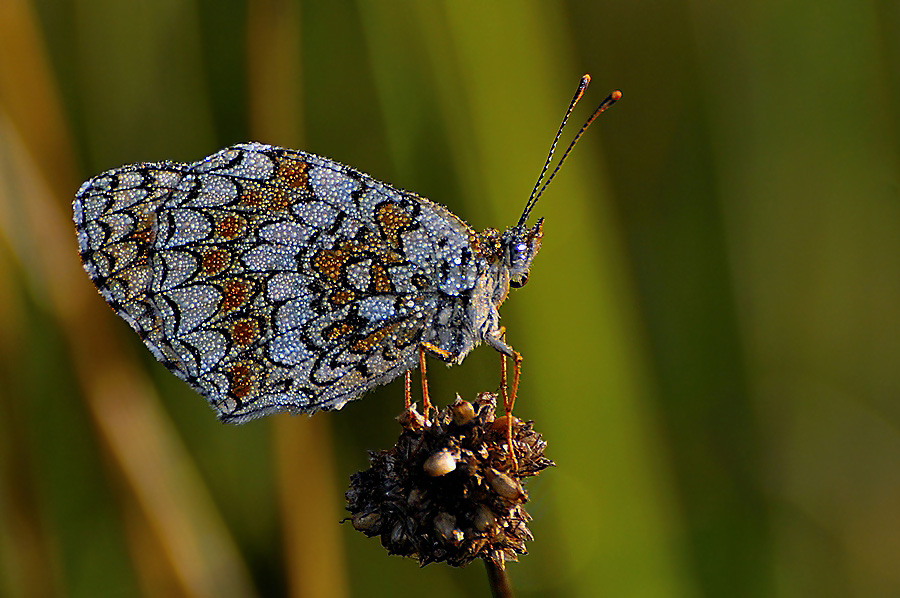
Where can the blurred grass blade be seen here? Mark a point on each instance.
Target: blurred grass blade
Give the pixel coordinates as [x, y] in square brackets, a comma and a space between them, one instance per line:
[35, 223]
[140, 440]
[26, 546]
[29, 96]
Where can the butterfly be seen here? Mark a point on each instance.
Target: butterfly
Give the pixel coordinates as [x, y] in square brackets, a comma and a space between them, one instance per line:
[275, 280]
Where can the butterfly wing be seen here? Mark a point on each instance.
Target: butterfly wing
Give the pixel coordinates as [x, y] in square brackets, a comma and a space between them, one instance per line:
[271, 279]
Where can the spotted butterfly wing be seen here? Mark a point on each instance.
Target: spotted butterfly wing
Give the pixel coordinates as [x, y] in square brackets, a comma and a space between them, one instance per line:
[272, 279]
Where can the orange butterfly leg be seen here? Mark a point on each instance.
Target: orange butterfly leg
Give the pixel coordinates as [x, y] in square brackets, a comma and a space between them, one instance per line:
[509, 399]
[426, 400]
[407, 390]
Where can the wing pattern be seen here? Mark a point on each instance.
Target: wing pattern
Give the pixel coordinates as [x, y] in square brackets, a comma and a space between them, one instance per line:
[272, 279]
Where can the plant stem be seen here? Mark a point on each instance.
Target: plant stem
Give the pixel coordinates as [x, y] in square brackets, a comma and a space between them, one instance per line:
[498, 579]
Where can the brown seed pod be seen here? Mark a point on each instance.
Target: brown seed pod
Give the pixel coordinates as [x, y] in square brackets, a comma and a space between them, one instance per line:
[440, 463]
[446, 491]
[504, 485]
[462, 411]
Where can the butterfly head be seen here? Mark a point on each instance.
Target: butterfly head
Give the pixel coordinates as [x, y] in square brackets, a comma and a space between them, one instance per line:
[520, 245]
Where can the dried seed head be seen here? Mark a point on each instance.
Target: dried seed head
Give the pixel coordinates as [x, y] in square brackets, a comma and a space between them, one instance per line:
[440, 463]
[445, 492]
[445, 524]
[485, 404]
[411, 419]
[504, 485]
[399, 537]
[500, 422]
[483, 520]
[462, 411]
[416, 498]
[365, 522]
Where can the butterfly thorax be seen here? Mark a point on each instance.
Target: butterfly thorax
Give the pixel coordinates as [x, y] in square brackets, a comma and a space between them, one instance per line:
[503, 261]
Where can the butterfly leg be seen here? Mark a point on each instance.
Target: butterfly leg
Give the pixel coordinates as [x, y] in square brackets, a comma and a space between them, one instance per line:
[509, 398]
[442, 354]
[498, 341]
[426, 400]
[407, 390]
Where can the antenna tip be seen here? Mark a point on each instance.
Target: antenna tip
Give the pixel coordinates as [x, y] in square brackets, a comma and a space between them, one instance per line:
[615, 96]
[586, 79]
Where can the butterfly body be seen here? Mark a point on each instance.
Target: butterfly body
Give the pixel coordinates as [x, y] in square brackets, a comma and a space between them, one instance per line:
[274, 280]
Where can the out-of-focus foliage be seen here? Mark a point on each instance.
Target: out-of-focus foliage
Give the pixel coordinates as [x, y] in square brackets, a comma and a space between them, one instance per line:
[711, 332]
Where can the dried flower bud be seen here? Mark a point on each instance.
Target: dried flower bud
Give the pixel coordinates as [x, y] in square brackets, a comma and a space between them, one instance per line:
[399, 538]
[484, 518]
[366, 522]
[411, 419]
[500, 422]
[504, 485]
[417, 498]
[440, 463]
[445, 524]
[462, 411]
[409, 499]
[485, 404]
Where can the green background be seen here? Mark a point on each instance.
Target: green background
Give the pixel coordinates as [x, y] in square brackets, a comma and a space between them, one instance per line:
[711, 332]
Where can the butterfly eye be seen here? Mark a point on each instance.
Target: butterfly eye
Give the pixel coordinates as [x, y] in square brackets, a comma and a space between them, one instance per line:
[518, 253]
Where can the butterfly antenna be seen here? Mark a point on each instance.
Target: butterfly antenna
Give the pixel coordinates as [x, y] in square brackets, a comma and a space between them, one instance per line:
[536, 193]
[582, 85]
